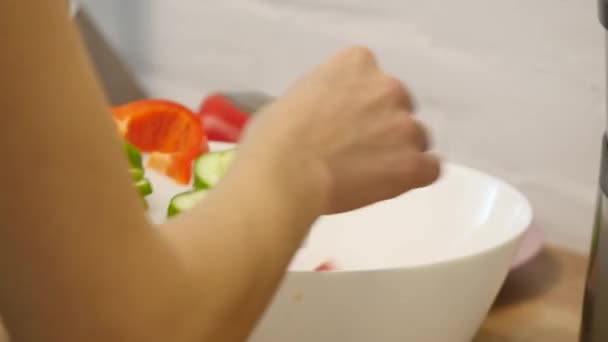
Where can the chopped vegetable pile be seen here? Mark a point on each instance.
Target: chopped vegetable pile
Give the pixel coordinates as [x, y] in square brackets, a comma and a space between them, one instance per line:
[172, 134]
[177, 142]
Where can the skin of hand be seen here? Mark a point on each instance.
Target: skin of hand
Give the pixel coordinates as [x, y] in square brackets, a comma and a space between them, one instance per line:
[341, 138]
[358, 126]
[78, 259]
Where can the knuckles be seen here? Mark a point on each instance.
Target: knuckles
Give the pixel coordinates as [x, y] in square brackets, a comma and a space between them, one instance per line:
[418, 170]
[374, 80]
[404, 129]
[393, 86]
[418, 134]
[360, 55]
[396, 91]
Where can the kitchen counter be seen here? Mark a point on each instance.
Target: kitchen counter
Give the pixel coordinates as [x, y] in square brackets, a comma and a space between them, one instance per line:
[540, 302]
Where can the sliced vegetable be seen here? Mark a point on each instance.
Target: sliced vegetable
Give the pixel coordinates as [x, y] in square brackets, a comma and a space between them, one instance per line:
[185, 201]
[136, 174]
[327, 266]
[209, 168]
[171, 132]
[219, 130]
[227, 158]
[144, 187]
[134, 156]
[161, 126]
[223, 118]
[225, 115]
[177, 166]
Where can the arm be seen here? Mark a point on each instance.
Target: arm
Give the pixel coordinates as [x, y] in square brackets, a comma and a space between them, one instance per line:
[78, 260]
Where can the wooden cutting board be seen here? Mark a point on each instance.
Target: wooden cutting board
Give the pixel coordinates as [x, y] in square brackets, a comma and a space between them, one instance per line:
[541, 302]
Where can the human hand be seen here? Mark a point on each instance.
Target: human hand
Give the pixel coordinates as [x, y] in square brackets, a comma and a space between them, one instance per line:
[356, 123]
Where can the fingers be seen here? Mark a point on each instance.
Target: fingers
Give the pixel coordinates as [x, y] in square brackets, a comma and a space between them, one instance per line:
[359, 56]
[416, 171]
[417, 134]
[428, 170]
[400, 94]
[426, 166]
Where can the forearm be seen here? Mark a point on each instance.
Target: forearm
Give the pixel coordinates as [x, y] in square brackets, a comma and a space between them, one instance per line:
[78, 259]
[240, 240]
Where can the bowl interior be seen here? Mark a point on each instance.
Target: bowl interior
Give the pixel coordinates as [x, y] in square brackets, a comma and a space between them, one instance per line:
[465, 213]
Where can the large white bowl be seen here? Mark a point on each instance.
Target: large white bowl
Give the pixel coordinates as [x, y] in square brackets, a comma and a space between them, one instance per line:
[424, 267]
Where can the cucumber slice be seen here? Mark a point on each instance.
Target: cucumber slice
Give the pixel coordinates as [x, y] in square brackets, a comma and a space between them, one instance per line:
[136, 174]
[227, 158]
[210, 167]
[185, 201]
[144, 187]
[134, 156]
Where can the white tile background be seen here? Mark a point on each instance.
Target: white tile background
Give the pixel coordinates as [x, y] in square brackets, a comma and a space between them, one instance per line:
[519, 84]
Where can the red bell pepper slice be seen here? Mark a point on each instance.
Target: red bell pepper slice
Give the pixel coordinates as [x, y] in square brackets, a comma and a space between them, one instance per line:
[177, 166]
[223, 119]
[219, 130]
[171, 132]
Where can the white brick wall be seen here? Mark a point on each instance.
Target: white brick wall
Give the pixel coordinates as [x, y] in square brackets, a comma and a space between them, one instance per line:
[520, 83]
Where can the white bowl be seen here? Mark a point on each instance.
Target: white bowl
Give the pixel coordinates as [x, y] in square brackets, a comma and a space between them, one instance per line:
[424, 267]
